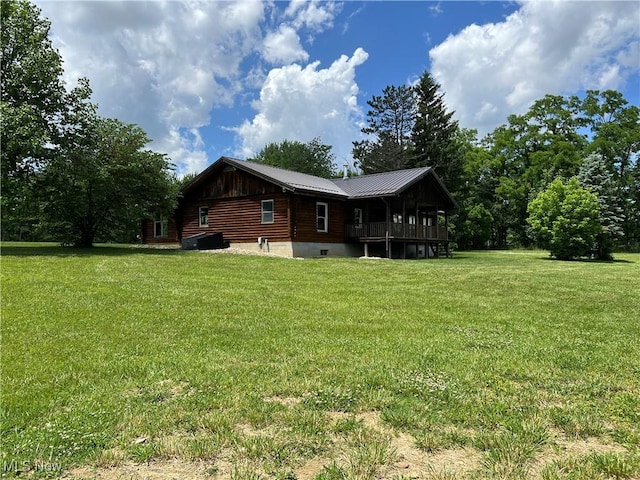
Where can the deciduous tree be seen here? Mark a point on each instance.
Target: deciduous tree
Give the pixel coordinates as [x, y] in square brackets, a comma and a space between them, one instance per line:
[103, 180]
[31, 102]
[565, 219]
[313, 158]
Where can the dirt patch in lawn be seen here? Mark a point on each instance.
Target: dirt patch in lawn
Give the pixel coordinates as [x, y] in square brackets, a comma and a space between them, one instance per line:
[154, 470]
[407, 460]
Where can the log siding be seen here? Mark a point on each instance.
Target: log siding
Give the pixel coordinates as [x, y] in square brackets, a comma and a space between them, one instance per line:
[239, 219]
[304, 220]
[148, 233]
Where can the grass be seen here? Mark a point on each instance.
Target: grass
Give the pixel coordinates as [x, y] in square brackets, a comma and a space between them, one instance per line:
[119, 354]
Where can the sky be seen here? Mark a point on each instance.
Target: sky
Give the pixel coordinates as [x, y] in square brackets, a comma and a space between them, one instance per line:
[207, 79]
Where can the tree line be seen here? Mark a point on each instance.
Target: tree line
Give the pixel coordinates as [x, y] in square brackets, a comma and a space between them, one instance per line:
[559, 147]
[67, 174]
[70, 175]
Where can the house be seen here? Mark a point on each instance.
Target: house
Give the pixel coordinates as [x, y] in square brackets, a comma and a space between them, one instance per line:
[400, 214]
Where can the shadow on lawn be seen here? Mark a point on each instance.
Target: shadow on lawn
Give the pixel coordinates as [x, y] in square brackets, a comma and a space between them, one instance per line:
[35, 250]
[589, 260]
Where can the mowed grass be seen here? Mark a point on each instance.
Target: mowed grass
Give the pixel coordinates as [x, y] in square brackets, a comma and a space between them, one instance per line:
[255, 366]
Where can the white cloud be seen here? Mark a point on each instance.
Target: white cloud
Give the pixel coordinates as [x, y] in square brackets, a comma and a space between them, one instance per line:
[314, 15]
[163, 65]
[299, 103]
[557, 47]
[283, 46]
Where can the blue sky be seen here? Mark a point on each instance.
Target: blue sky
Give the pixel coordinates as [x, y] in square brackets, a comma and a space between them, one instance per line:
[210, 78]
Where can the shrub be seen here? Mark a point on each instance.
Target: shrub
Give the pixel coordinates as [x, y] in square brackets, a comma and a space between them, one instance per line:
[565, 219]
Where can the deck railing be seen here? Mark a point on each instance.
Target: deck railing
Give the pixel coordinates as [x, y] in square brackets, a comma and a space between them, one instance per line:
[397, 230]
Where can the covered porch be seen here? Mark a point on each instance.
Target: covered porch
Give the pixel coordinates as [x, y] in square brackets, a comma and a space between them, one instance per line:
[400, 228]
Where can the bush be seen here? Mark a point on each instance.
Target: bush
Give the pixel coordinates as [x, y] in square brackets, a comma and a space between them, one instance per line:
[565, 219]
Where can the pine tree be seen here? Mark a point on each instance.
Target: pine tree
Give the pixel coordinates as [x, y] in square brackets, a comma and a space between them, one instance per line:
[389, 125]
[434, 133]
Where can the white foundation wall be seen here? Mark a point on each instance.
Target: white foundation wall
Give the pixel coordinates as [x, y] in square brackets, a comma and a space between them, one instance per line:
[282, 249]
[303, 249]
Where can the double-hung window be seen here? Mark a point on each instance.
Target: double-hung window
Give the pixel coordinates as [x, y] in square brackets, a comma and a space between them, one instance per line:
[322, 217]
[267, 211]
[203, 217]
[160, 227]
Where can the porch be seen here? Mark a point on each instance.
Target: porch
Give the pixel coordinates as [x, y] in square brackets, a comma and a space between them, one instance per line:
[404, 240]
[398, 231]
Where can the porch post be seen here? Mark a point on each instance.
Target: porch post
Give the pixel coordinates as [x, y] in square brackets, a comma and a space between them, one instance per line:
[404, 220]
[366, 249]
[446, 226]
[387, 242]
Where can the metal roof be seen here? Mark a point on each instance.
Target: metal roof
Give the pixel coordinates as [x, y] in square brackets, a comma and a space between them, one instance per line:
[288, 179]
[364, 186]
[381, 184]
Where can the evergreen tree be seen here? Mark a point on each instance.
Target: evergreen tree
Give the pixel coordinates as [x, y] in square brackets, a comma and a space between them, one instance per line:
[615, 126]
[389, 125]
[595, 176]
[434, 133]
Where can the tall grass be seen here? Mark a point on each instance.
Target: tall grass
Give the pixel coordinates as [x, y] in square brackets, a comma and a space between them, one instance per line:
[123, 354]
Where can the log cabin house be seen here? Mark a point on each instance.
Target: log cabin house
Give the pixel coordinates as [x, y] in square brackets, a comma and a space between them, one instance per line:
[399, 214]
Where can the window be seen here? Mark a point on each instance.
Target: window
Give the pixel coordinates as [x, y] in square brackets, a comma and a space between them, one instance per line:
[160, 227]
[357, 217]
[322, 216]
[203, 216]
[267, 211]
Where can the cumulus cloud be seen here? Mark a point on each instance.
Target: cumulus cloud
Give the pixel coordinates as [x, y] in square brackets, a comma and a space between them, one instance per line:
[283, 46]
[300, 103]
[144, 69]
[557, 47]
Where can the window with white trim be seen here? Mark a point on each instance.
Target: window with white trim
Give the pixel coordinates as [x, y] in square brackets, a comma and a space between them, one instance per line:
[203, 217]
[267, 211]
[160, 227]
[322, 217]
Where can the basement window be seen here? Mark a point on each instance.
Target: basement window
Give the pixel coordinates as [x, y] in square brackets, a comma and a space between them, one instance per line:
[324, 253]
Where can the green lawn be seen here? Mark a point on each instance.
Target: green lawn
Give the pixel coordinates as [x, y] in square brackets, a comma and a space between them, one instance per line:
[249, 367]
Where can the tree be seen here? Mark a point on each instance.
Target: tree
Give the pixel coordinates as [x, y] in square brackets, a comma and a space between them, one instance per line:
[102, 181]
[389, 124]
[31, 101]
[615, 126]
[313, 158]
[565, 219]
[595, 176]
[434, 133]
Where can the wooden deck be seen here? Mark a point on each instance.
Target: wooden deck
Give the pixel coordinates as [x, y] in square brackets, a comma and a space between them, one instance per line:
[377, 231]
